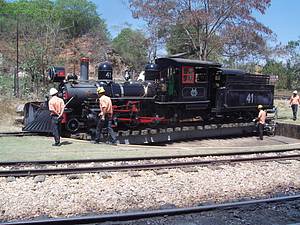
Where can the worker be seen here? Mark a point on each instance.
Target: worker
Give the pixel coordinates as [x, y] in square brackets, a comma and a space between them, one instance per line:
[105, 117]
[294, 102]
[56, 108]
[261, 120]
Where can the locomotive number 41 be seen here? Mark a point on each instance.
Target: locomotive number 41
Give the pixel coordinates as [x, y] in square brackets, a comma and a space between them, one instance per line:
[250, 98]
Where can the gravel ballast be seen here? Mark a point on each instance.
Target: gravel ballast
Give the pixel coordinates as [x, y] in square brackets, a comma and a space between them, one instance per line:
[59, 196]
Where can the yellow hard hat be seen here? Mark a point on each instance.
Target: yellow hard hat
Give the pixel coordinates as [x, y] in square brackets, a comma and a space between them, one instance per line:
[100, 90]
[259, 106]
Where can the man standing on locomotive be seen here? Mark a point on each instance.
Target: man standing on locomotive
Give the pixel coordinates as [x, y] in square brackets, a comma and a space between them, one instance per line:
[56, 108]
[105, 116]
[261, 119]
[294, 102]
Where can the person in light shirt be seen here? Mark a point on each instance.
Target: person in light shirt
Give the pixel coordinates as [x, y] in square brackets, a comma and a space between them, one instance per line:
[261, 120]
[106, 113]
[294, 102]
[56, 107]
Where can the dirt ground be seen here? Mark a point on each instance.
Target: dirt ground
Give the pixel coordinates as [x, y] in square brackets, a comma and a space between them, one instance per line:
[8, 114]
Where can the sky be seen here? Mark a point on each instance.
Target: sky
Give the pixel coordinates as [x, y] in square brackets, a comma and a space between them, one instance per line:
[283, 17]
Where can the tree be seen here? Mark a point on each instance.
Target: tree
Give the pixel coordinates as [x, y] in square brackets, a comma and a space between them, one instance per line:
[132, 46]
[44, 27]
[79, 16]
[293, 63]
[224, 27]
[2, 3]
[279, 69]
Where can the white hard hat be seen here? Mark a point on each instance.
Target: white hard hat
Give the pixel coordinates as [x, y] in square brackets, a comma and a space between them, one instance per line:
[53, 91]
[295, 92]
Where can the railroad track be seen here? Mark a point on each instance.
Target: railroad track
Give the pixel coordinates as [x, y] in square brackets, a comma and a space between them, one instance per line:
[148, 166]
[154, 213]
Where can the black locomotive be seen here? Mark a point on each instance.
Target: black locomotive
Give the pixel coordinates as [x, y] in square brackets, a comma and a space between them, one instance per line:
[173, 90]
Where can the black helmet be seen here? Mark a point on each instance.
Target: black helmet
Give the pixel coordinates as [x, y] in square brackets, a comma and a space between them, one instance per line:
[105, 71]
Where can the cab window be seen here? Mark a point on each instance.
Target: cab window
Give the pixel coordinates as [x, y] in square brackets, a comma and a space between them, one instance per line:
[188, 75]
[201, 74]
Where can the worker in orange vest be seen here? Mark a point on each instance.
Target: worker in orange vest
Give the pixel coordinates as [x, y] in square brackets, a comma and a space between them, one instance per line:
[294, 102]
[105, 116]
[261, 120]
[56, 107]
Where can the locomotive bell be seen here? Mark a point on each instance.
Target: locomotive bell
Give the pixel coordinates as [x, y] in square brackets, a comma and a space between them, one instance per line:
[105, 71]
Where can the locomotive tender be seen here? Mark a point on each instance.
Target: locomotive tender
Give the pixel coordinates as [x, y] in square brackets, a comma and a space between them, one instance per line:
[174, 90]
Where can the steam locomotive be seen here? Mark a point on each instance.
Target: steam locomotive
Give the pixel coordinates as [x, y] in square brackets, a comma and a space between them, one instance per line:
[173, 90]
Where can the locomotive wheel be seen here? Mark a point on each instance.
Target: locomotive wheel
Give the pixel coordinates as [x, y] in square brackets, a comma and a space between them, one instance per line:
[72, 125]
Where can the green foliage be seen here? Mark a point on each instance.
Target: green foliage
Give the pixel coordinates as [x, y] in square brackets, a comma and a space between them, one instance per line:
[279, 69]
[2, 3]
[132, 46]
[293, 63]
[76, 17]
[177, 43]
[79, 16]
[44, 27]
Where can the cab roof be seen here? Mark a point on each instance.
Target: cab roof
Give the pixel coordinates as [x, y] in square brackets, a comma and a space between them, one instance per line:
[188, 62]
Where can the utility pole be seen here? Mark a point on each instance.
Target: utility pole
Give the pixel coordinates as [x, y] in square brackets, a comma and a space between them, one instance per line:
[16, 74]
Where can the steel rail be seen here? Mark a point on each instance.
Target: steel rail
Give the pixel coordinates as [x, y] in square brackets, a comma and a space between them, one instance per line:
[81, 161]
[150, 214]
[62, 171]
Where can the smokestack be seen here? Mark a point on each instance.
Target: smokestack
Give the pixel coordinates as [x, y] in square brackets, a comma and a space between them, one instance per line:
[84, 68]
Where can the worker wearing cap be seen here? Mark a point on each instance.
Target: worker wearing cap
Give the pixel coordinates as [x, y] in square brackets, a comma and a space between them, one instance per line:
[56, 107]
[294, 102]
[105, 116]
[261, 120]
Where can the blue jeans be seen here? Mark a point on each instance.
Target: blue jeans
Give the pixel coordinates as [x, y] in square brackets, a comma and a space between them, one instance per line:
[107, 122]
[295, 110]
[56, 129]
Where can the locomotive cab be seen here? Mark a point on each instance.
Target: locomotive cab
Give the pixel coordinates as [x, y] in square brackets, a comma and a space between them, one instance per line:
[187, 84]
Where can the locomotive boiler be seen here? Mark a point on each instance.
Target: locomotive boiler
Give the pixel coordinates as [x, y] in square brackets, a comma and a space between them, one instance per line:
[173, 90]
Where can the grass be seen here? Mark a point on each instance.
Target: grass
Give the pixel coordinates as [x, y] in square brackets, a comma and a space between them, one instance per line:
[285, 113]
